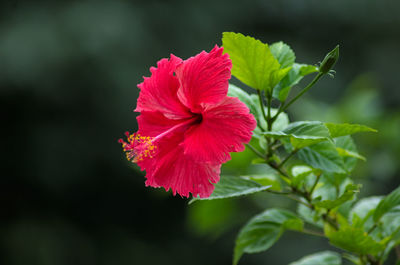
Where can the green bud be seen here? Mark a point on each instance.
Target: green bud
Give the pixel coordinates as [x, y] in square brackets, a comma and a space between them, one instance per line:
[329, 60]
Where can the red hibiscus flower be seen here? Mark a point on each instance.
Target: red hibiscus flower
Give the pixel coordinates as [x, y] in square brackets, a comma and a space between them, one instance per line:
[188, 124]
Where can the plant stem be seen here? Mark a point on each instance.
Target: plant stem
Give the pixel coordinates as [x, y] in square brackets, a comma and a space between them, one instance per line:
[300, 201]
[331, 222]
[350, 258]
[325, 217]
[269, 120]
[255, 151]
[315, 80]
[276, 146]
[287, 158]
[278, 192]
[372, 228]
[315, 184]
[277, 168]
[311, 232]
[269, 123]
[283, 106]
[260, 97]
[279, 111]
[304, 194]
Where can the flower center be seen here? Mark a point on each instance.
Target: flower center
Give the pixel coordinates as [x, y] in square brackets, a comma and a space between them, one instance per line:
[197, 117]
[138, 147]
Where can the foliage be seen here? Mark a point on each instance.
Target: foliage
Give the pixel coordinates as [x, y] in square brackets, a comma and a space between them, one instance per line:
[312, 162]
[326, 257]
[233, 187]
[263, 230]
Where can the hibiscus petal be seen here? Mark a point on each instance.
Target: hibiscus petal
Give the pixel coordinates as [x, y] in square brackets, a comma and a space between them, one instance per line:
[171, 169]
[223, 129]
[153, 123]
[159, 92]
[204, 79]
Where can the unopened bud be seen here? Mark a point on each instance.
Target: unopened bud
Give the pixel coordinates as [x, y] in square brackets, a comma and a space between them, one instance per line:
[329, 60]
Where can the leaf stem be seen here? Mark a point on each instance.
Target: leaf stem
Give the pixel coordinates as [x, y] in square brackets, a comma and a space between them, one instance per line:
[372, 228]
[315, 184]
[260, 97]
[275, 146]
[252, 148]
[278, 192]
[350, 258]
[280, 110]
[325, 216]
[278, 168]
[269, 120]
[287, 158]
[311, 232]
[300, 201]
[331, 222]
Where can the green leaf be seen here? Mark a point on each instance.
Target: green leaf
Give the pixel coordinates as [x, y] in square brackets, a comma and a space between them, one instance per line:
[323, 156]
[253, 103]
[294, 76]
[328, 187]
[364, 208]
[271, 180]
[337, 130]
[263, 230]
[230, 186]
[348, 151]
[307, 128]
[277, 76]
[305, 133]
[283, 53]
[388, 203]
[302, 174]
[281, 122]
[352, 258]
[320, 258]
[310, 216]
[302, 133]
[390, 230]
[234, 91]
[391, 225]
[306, 69]
[354, 239]
[348, 195]
[336, 180]
[253, 62]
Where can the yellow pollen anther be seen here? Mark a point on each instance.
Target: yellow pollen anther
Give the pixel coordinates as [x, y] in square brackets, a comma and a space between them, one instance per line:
[138, 147]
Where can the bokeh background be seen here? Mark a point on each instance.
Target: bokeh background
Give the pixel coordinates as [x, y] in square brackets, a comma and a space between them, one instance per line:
[68, 75]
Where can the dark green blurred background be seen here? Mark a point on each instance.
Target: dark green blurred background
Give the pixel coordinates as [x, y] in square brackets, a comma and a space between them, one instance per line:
[68, 75]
